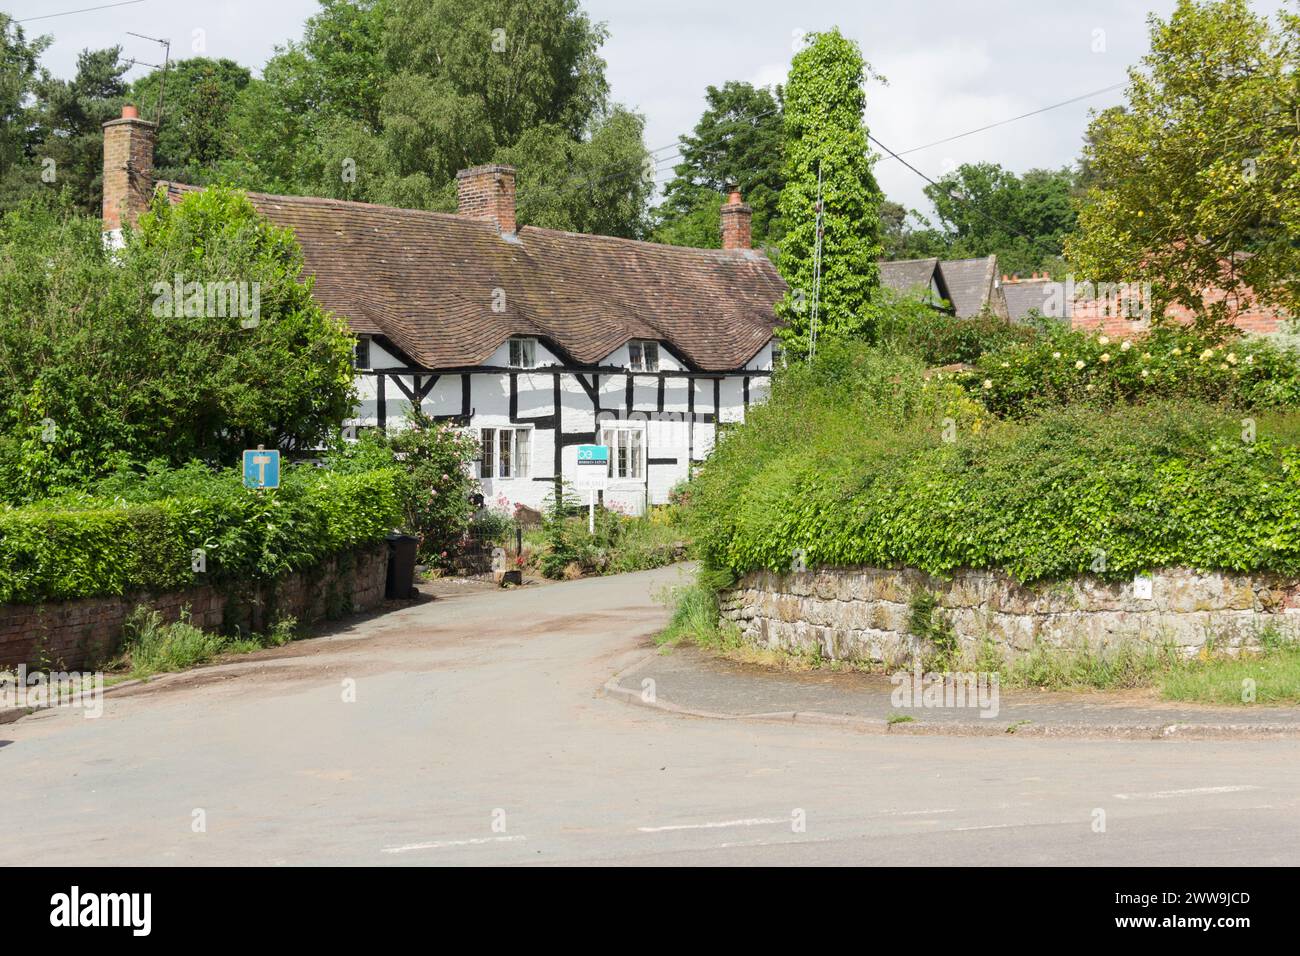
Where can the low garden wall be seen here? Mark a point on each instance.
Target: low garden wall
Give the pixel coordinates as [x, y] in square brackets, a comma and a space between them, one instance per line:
[866, 614]
[79, 634]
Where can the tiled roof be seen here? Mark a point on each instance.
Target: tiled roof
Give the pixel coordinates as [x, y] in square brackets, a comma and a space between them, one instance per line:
[448, 290]
[1028, 295]
[904, 275]
[970, 283]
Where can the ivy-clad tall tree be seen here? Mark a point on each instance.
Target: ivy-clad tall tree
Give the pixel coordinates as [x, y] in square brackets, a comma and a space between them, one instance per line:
[1196, 183]
[825, 136]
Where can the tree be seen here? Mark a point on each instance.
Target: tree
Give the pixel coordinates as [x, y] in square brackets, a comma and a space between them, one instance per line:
[987, 210]
[1195, 184]
[737, 142]
[198, 97]
[385, 100]
[19, 76]
[101, 360]
[826, 139]
[904, 241]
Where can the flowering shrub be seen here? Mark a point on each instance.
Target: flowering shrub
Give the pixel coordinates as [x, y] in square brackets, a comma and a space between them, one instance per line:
[436, 458]
[1065, 366]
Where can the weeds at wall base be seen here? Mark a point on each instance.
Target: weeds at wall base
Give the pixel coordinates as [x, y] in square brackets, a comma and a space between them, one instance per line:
[1216, 675]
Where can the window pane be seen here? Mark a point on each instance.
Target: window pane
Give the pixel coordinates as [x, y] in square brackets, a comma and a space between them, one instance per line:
[652, 356]
[487, 439]
[503, 461]
[361, 356]
[634, 454]
[634, 354]
[515, 352]
[522, 436]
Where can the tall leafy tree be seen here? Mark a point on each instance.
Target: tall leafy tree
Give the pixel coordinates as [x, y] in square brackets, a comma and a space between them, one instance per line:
[737, 141]
[986, 209]
[197, 97]
[909, 235]
[384, 100]
[826, 140]
[19, 76]
[100, 361]
[1196, 183]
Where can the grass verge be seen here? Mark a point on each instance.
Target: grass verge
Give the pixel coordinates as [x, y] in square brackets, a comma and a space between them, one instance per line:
[153, 646]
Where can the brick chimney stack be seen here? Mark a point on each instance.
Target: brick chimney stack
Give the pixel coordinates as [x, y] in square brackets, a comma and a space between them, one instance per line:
[488, 193]
[128, 168]
[736, 216]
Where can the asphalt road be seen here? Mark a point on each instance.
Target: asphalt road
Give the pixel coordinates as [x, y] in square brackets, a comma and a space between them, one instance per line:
[478, 735]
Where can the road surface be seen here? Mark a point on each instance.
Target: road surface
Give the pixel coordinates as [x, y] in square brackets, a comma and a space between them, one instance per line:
[478, 735]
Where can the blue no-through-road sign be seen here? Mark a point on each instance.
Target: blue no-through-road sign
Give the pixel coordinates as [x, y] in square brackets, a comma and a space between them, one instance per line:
[261, 468]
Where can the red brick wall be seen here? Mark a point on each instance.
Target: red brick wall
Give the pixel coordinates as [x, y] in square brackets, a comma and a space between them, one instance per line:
[81, 634]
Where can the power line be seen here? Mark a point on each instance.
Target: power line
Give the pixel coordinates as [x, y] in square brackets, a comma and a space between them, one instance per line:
[68, 13]
[1044, 109]
[955, 194]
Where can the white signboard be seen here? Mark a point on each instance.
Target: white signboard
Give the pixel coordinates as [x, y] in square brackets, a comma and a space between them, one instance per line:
[593, 468]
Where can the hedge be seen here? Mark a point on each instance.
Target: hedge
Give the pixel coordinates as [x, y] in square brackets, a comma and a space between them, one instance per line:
[1064, 365]
[100, 545]
[832, 473]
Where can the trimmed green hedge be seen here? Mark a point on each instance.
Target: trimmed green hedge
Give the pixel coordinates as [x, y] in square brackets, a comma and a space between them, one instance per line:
[851, 464]
[142, 538]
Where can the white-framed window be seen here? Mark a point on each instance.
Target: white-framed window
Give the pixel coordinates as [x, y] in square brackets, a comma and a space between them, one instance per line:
[505, 452]
[626, 451]
[523, 352]
[643, 356]
[361, 352]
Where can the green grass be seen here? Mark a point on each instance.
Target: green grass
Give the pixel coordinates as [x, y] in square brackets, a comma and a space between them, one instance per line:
[1275, 672]
[153, 646]
[695, 618]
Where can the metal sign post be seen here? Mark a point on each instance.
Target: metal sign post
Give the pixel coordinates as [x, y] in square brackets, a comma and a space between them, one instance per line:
[593, 476]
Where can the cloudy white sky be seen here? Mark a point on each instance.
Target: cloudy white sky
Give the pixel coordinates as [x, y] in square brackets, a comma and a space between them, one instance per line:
[951, 65]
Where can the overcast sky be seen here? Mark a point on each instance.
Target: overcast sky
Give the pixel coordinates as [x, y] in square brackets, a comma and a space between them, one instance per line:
[951, 66]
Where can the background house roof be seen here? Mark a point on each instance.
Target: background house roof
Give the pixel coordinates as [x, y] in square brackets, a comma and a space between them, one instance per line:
[1025, 296]
[969, 284]
[449, 290]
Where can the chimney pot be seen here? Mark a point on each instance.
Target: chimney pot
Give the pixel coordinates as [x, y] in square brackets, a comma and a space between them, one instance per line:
[488, 193]
[129, 111]
[736, 220]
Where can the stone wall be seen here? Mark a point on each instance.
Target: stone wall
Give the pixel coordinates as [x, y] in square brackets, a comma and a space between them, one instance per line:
[864, 613]
[83, 633]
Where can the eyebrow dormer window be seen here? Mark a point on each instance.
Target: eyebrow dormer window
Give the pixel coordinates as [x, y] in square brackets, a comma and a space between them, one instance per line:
[643, 356]
[523, 353]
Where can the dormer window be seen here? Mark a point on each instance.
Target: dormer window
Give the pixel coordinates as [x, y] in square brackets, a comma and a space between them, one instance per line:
[523, 353]
[643, 356]
[361, 353]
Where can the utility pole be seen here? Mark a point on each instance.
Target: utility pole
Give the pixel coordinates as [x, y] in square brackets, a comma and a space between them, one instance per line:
[817, 271]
